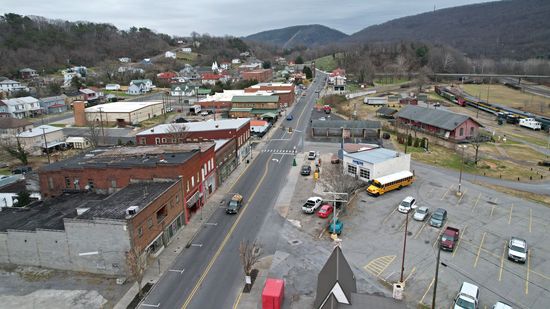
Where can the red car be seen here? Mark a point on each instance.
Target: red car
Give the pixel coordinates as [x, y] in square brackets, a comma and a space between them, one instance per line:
[325, 211]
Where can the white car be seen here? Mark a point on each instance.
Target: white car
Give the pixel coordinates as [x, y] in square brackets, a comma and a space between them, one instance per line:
[517, 250]
[408, 204]
[312, 204]
[467, 297]
[421, 213]
[311, 155]
[500, 305]
[322, 118]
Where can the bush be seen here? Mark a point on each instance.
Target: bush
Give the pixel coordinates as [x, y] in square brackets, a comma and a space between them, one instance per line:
[416, 142]
[409, 140]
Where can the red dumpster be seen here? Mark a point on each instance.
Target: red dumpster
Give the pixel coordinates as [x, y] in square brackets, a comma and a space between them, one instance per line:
[272, 295]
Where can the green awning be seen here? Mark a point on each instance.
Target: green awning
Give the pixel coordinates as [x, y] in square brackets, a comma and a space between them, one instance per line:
[269, 115]
[241, 109]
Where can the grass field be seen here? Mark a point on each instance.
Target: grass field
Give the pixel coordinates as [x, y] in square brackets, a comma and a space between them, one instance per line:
[513, 98]
[327, 63]
[187, 57]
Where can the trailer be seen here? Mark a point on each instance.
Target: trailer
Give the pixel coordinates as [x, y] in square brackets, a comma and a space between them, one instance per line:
[530, 123]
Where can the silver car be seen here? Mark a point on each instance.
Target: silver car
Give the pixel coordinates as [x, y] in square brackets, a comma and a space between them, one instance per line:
[421, 213]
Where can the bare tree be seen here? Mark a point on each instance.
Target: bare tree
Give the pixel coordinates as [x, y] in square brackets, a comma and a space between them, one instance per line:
[250, 254]
[16, 150]
[94, 131]
[476, 143]
[339, 181]
[136, 261]
[178, 132]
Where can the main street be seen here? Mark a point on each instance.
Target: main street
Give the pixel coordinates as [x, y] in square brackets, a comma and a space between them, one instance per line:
[209, 274]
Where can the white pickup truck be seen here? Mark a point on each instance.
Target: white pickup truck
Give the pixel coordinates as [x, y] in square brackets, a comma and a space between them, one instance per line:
[530, 123]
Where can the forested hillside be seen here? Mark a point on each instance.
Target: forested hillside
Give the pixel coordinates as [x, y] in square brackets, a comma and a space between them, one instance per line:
[307, 35]
[42, 44]
[517, 29]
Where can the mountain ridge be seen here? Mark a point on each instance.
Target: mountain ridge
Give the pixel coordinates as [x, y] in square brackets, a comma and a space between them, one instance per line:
[300, 35]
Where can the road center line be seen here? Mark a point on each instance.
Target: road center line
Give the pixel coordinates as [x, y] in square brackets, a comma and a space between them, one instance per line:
[226, 239]
[479, 250]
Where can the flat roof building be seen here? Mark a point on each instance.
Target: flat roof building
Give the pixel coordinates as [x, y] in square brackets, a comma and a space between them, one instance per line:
[368, 161]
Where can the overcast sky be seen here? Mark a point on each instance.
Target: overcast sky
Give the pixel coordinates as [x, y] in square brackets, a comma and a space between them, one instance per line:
[232, 17]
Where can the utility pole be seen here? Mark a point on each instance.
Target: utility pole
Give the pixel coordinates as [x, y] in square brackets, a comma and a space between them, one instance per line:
[404, 247]
[461, 165]
[46, 144]
[436, 272]
[101, 122]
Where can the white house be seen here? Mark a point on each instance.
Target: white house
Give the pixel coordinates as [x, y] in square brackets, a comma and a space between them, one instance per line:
[170, 54]
[9, 85]
[22, 107]
[182, 90]
[147, 83]
[115, 87]
[124, 59]
[136, 89]
[367, 161]
[236, 61]
[186, 50]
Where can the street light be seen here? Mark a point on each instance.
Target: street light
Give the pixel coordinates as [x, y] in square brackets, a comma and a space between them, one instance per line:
[461, 165]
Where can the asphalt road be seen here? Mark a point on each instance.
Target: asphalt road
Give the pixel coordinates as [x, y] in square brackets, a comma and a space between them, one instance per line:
[209, 273]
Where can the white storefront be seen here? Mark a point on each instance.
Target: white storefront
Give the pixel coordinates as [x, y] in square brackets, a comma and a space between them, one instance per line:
[368, 162]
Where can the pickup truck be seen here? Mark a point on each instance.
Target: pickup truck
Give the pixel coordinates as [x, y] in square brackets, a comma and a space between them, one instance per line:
[234, 204]
[449, 238]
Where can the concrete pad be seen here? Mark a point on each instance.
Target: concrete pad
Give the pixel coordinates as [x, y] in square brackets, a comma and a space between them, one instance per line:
[70, 299]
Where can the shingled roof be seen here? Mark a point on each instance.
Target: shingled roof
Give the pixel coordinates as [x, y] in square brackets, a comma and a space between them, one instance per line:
[434, 117]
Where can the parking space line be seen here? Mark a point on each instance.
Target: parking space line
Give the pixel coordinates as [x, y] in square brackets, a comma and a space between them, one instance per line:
[502, 262]
[439, 235]
[477, 201]
[410, 274]
[445, 194]
[492, 209]
[461, 196]
[429, 194]
[539, 274]
[378, 265]
[388, 216]
[420, 231]
[528, 271]
[427, 290]
[530, 218]
[459, 239]
[479, 250]
[510, 217]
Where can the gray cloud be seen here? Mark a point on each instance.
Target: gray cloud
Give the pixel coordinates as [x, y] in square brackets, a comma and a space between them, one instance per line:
[232, 17]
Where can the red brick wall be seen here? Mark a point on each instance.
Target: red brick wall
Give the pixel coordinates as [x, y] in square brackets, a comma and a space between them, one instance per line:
[287, 98]
[172, 199]
[215, 105]
[262, 75]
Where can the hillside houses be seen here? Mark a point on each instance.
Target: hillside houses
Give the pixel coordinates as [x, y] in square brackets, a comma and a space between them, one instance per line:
[22, 107]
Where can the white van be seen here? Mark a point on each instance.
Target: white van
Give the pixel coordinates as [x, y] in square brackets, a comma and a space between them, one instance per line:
[530, 123]
[467, 297]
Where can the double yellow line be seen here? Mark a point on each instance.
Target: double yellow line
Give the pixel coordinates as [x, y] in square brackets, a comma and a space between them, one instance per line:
[226, 239]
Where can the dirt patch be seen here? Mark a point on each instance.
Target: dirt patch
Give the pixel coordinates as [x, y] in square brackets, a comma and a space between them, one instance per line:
[542, 199]
[34, 273]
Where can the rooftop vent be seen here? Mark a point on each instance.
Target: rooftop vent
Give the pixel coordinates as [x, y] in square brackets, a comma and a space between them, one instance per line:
[132, 210]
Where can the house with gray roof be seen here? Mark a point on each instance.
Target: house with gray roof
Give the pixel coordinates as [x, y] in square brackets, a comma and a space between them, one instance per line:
[439, 122]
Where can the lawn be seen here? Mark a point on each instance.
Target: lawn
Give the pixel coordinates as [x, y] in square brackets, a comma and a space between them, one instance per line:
[187, 57]
[510, 97]
[327, 63]
[117, 93]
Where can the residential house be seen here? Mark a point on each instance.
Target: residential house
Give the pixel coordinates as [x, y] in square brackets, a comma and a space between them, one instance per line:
[186, 50]
[236, 61]
[73, 96]
[35, 140]
[28, 73]
[170, 54]
[147, 84]
[89, 94]
[4, 113]
[182, 90]
[124, 59]
[210, 78]
[112, 87]
[130, 70]
[166, 75]
[11, 86]
[225, 66]
[438, 122]
[337, 78]
[136, 89]
[146, 61]
[10, 127]
[255, 106]
[53, 105]
[22, 107]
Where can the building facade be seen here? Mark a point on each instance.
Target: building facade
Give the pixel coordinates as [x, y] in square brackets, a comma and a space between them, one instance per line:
[260, 75]
[368, 162]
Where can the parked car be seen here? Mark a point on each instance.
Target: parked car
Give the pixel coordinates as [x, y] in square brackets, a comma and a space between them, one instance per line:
[517, 250]
[312, 204]
[421, 213]
[334, 159]
[500, 305]
[311, 155]
[449, 238]
[322, 118]
[408, 204]
[325, 211]
[21, 170]
[438, 217]
[204, 113]
[335, 227]
[467, 297]
[306, 170]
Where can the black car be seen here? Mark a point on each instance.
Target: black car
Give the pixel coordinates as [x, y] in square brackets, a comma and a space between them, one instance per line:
[21, 170]
[306, 170]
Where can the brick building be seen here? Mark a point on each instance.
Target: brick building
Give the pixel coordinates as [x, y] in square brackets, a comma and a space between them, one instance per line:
[238, 129]
[93, 232]
[260, 75]
[284, 91]
[111, 169]
[256, 106]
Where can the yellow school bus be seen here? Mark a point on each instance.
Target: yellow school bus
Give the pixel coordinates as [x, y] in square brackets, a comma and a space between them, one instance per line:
[385, 184]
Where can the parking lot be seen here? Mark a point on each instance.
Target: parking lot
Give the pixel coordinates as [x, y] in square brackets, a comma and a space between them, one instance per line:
[487, 219]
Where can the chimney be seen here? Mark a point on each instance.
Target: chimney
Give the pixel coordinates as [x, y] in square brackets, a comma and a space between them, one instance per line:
[79, 113]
